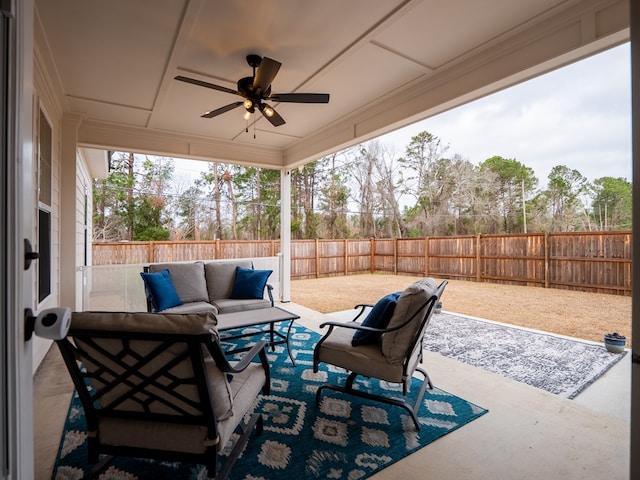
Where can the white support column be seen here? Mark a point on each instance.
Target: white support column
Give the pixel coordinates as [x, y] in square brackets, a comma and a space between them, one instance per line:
[634, 468]
[285, 235]
[68, 210]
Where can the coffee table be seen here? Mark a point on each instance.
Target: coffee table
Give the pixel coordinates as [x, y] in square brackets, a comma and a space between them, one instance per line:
[262, 317]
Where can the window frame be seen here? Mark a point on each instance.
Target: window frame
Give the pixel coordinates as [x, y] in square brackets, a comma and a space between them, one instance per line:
[44, 201]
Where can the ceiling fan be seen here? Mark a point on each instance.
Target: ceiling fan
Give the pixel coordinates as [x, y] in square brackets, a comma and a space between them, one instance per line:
[256, 90]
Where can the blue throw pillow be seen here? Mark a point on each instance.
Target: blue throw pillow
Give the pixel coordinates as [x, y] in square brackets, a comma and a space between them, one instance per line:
[378, 317]
[161, 289]
[249, 283]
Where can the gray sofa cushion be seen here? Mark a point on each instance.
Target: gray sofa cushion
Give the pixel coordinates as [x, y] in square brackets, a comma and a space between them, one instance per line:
[228, 305]
[188, 279]
[220, 277]
[192, 307]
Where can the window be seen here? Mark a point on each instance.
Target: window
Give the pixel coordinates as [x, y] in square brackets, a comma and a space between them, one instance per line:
[44, 207]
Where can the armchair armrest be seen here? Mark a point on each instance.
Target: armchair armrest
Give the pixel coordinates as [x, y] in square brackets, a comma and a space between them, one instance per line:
[224, 365]
[352, 325]
[269, 292]
[362, 307]
[147, 293]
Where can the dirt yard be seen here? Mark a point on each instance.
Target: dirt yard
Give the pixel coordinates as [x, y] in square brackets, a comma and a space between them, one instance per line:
[575, 314]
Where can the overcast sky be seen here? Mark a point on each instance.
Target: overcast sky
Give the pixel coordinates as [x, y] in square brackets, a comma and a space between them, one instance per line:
[578, 116]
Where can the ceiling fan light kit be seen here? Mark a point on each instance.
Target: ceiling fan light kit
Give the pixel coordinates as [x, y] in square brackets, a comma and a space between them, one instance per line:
[257, 89]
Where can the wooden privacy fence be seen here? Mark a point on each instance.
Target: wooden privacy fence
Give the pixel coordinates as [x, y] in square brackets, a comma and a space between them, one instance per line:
[589, 261]
[118, 253]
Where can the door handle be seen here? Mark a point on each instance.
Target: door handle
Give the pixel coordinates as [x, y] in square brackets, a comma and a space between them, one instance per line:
[29, 254]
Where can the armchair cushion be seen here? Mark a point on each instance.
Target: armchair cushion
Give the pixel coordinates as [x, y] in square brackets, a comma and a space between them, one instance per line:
[249, 283]
[378, 317]
[411, 304]
[143, 322]
[194, 324]
[162, 290]
[367, 360]
[219, 389]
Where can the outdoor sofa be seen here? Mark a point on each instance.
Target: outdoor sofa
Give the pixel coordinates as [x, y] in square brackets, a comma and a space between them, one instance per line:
[218, 287]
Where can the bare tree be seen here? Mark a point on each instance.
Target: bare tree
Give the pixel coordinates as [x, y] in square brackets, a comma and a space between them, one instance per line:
[420, 180]
[334, 197]
[362, 169]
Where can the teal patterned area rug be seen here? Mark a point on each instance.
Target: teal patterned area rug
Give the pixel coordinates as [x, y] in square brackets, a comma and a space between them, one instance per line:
[344, 438]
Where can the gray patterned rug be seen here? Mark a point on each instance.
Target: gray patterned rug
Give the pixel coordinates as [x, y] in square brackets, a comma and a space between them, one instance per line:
[559, 365]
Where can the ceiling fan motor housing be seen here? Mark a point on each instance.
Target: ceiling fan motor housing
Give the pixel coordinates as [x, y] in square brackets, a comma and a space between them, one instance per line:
[245, 86]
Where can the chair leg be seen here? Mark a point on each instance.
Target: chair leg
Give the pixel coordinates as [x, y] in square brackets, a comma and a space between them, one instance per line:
[348, 387]
[254, 421]
[426, 377]
[411, 409]
[99, 467]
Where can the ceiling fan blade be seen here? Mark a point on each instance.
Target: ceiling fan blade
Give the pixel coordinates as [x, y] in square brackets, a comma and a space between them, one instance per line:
[271, 115]
[265, 74]
[206, 84]
[300, 97]
[218, 111]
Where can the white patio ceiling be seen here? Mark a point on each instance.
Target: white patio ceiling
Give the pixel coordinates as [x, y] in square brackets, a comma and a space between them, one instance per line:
[385, 63]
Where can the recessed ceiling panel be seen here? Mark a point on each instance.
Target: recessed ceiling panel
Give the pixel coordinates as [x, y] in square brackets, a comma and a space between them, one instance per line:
[184, 104]
[114, 51]
[117, 114]
[304, 36]
[435, 32]
[361, 78]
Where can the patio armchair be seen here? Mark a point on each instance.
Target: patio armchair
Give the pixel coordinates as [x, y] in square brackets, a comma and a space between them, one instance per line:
[159, 386]
[389, 352]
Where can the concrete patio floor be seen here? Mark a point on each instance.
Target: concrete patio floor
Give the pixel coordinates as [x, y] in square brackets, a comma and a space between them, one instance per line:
[527, 434]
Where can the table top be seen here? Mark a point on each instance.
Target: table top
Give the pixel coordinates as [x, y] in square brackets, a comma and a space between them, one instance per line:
[247, 318]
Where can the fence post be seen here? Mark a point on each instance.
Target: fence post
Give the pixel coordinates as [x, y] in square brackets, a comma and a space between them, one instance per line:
[150, 255]
[346, 257]
[478, 259]
[372, 249]
[395, 257]
[426, 256]
[317, 259]
[546, 259]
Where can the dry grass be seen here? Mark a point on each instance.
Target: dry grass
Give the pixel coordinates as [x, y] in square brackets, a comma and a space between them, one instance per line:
[575, 314]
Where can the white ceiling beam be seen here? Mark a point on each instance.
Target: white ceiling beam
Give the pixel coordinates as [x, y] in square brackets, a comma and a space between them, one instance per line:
[94, 134]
